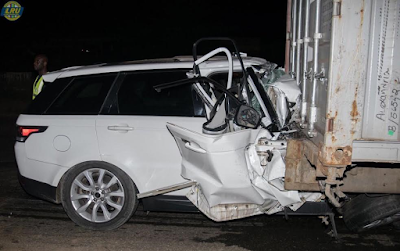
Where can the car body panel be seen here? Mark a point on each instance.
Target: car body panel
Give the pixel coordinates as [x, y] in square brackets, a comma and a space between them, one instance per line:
[148, 152]
[37, 170]
[170, 63]
[68, 140]
[232, 182]
[220, 168]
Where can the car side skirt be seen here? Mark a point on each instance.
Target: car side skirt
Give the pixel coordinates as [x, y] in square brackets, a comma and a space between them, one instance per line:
[168, 203]
[38, 189]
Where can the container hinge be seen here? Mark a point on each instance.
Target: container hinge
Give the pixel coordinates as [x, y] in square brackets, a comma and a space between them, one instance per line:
[321, 76]
[309, 74]
[307, 39]
[317, 36]
[336, 8]
[288, 35]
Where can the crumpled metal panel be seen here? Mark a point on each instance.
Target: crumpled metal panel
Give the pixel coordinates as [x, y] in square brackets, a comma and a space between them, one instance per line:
[282, 90]
[238, 174]
[222, 212]
[220, 166]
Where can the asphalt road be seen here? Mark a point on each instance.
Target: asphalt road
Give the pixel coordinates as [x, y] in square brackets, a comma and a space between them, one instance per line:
[27, 223]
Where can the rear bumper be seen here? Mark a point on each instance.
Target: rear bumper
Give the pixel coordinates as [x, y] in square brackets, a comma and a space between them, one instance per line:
[38, 189]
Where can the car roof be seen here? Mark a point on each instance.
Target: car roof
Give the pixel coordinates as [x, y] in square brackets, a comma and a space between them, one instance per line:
[218, 63]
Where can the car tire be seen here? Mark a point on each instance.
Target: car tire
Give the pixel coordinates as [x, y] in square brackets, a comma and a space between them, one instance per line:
[365, 212]
[98, 196]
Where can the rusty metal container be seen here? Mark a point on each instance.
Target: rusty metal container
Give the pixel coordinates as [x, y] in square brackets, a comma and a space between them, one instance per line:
[345, 55]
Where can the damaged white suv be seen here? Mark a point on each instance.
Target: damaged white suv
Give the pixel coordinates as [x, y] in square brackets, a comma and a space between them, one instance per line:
[99, 138]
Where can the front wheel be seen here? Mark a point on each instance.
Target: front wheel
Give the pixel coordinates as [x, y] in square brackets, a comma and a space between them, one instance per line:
[98, 196]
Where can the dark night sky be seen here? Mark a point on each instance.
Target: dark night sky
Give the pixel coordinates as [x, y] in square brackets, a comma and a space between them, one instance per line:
[116, 31]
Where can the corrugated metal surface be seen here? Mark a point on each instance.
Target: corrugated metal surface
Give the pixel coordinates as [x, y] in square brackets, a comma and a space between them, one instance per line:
[351, 73]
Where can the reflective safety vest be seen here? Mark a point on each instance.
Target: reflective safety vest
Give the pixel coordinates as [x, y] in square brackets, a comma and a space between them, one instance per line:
[37, 86]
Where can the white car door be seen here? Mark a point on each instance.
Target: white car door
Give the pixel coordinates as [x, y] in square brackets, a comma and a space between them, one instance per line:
[133, 135]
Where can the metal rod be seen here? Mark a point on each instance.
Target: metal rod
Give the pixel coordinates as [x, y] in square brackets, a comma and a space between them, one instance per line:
[288, 27]
[330, 196]
[316, 47]
[294, 35]
[317, 36]
[298, 43]
[305, 61]
[230, 62]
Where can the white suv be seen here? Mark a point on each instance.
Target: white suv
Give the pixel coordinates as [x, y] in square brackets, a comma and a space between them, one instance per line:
[96, 136]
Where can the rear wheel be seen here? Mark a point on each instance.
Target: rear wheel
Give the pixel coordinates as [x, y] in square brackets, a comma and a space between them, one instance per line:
[365, 212]
[98, 196]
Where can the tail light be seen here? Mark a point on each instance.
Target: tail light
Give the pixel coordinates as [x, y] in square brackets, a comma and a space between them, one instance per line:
[23, 132]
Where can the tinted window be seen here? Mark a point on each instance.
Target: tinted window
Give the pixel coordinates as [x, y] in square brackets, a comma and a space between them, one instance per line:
[137, 96]
[49, 93]
[84, 95]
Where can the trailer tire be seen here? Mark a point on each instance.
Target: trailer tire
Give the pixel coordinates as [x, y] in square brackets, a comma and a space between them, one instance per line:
[396, 225]
[365, 212]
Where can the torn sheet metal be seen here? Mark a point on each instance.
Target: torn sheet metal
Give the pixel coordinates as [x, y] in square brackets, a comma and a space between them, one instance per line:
[222, 212]
[284, 93]
[265, 161]
[286, 96]
[288, 86]
[218, 164]
[238, 174]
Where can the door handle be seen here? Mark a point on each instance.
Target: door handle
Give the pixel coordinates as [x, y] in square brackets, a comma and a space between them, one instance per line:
[194, 147]
[120, 128]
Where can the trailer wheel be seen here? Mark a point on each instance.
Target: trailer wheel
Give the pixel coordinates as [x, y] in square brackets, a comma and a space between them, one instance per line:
[369, 211]
[396, 225]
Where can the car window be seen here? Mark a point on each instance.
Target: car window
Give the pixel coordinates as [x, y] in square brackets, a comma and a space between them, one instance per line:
[137, 96]
[222, 79]
[49, 93]
[84, 95]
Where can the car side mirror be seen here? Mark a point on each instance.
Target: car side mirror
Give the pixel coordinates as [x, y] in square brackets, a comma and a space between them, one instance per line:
[247, 117]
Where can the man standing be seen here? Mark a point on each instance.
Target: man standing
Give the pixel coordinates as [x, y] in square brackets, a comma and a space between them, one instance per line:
[40, 65]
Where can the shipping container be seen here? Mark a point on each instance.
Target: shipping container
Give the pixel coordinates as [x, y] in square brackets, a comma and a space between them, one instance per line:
[345, 56]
